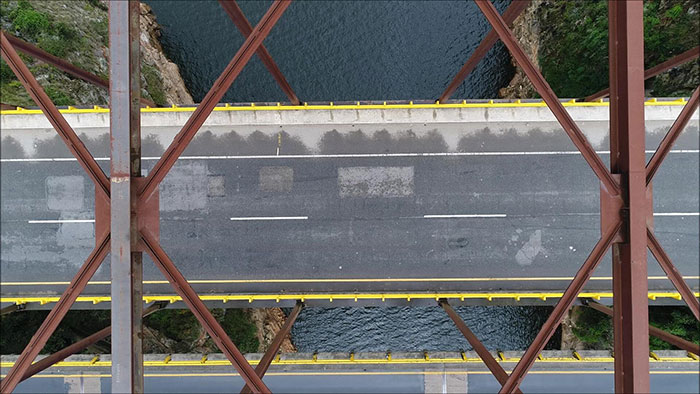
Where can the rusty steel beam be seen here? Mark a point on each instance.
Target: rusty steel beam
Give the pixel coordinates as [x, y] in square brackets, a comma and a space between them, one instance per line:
[673, 133]
[271, 352]
[509, 15]
[11, 309]
[567, 299]
[62, 65]
[195, 304]
[553, 103]
[656, 70]
[496, 369]
[673, 275]
[234, 68]
[630, 295]
[42, 334]
[125, 146]
[615, 168]
[236, 14]
[657, 332]
[81, 345]
[75, 145]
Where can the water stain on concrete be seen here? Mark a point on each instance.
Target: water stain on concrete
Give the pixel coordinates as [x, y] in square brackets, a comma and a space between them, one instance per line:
[528, 252]
[65, 193]
[375, 181]
[276, 179]
[186, 188]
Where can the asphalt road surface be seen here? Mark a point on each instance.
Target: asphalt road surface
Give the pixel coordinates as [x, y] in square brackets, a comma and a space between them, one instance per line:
[516, 219]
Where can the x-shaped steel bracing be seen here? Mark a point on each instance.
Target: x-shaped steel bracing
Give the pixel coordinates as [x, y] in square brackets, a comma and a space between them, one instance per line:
[607, 180]
[86, 160]
[252, 45]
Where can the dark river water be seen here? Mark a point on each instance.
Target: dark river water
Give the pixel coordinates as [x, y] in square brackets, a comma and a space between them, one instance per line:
[352, 50]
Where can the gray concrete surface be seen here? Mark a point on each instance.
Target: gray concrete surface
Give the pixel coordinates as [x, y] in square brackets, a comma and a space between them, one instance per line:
[265, 203]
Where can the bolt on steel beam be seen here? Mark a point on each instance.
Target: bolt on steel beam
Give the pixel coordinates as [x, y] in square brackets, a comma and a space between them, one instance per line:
[217, 91]
[74, 144]
[125, 143]
[657, 332]
[656, 70]
[202, 313]
[496, 369]
[271, 352]
[81, 345]
[236, 14]
[567, 299]
[42, 334]
[551, 99]
[509, 15]
[630, 288]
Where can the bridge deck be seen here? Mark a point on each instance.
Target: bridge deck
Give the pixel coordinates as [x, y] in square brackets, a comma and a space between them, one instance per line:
[332, 204]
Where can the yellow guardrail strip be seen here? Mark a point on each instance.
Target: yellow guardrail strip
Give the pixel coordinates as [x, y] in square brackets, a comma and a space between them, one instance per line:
[353, 361]
[330, 297]
[336, 107]
[346, 280]
[349, 373]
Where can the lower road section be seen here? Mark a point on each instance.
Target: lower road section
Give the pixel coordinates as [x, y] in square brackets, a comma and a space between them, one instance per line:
[555, 372]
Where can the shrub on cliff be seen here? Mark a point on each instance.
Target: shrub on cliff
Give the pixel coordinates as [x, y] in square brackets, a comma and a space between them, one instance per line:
[574, 46]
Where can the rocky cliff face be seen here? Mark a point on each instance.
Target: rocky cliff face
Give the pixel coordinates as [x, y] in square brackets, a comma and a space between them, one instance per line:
[172, 86]
[527, 29]
[269, 322]
[77, 31]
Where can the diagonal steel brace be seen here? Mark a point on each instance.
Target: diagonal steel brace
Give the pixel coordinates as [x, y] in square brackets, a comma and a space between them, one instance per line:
[553, 103]
[202, 313]
[236, 14]
[222, 84]
[74, 144]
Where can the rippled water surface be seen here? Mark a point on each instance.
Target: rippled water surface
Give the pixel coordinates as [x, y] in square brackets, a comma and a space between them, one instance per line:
[414, 328]
[338, 50]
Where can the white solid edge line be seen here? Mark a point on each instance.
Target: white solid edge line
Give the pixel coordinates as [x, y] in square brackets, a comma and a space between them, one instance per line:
[251, 218]
[486, 215]
[61, 221]
[344, 155]
[676, 213]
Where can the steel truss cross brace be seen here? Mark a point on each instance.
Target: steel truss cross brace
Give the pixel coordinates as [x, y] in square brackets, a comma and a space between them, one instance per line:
[496, 369]
[87, 161]
[651, 169]
[659, 333]
[81, 345]
[510, 14]
[61, 64]
[675, 61]
[236, 14]
[274, 348]
[609, 183]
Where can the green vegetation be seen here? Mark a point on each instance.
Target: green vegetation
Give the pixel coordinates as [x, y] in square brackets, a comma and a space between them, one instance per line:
[154, 84]
[595, 328]
[675, 320]
[574, 46]
[76, 31]
[172, 330]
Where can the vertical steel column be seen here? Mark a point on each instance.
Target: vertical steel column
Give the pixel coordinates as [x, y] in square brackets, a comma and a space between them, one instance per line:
[126, 265]
[631, 315]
